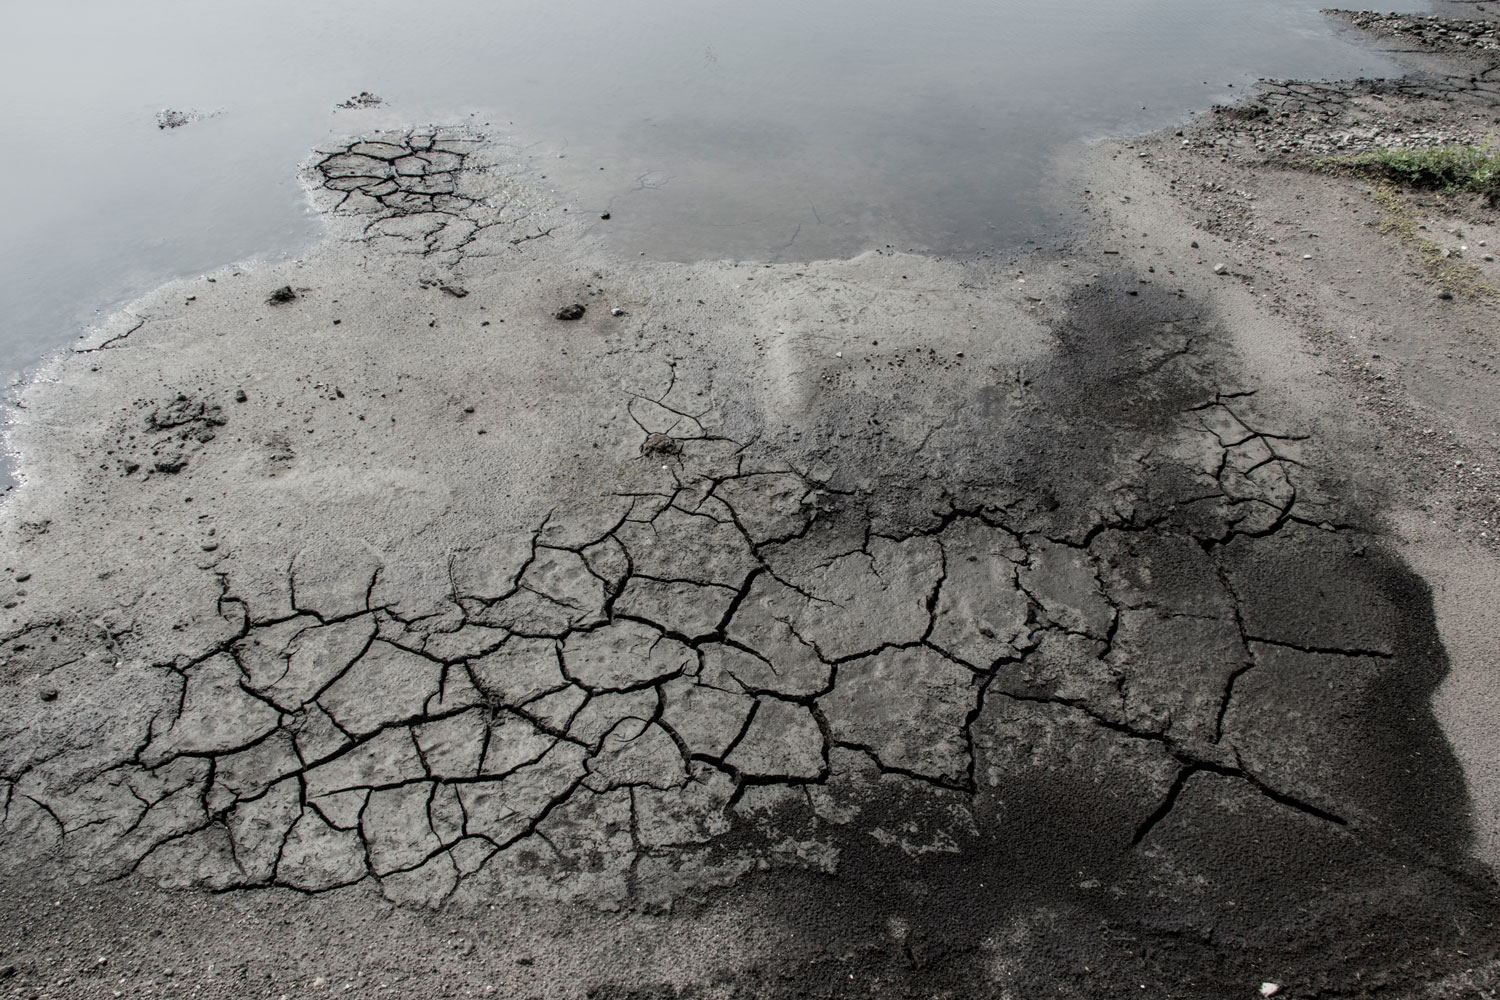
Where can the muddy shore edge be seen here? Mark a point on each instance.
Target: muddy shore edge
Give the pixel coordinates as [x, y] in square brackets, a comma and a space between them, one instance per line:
[461, 610]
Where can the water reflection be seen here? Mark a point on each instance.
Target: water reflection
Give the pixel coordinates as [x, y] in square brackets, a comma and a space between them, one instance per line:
[774, 130]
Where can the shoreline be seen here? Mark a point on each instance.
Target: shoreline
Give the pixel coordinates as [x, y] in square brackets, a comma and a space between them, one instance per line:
[734, 635]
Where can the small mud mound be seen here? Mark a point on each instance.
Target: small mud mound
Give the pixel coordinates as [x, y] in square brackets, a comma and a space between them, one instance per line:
[168, 435]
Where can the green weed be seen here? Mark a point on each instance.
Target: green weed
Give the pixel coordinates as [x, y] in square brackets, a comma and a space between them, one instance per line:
[1434, 168]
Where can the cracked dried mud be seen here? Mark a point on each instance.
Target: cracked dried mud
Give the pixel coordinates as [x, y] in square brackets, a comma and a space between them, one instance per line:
[886, 627]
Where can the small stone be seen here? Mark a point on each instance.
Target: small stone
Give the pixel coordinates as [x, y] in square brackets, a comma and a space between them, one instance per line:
[6, 971]
[1269, 989]
[617, 311]
[48, 694]
[1445, 294]
[604, 215]
[1221, 269]
[239, 396]
[572, 312]
[282, 296]
[22, 577]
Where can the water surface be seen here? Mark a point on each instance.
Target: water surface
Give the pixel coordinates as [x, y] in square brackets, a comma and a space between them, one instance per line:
[782, 129]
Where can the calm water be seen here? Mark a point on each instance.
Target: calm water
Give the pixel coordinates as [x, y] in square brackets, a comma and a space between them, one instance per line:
[780, 129]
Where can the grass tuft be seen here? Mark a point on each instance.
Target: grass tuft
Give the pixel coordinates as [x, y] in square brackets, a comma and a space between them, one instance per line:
[1434, 168]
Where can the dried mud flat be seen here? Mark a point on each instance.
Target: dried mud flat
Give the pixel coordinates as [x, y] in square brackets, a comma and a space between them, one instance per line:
[1079, 623]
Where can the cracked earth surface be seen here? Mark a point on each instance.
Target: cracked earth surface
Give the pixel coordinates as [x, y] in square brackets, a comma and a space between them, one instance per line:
[1039, 638]
[594, 703]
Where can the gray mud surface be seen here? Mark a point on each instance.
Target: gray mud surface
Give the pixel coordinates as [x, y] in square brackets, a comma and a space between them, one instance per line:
[885, 627]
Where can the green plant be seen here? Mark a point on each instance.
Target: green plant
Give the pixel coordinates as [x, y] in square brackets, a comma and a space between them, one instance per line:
[1437, 168]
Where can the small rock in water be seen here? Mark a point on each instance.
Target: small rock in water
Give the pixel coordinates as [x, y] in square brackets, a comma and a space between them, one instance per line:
[282, 296]
[572, 312]
[363, 99]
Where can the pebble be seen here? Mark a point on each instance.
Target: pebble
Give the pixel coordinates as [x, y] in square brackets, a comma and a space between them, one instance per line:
[1221, 269]
[1269, 989]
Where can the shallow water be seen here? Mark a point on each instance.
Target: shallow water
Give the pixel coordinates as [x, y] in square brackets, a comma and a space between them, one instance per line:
[773, 130]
